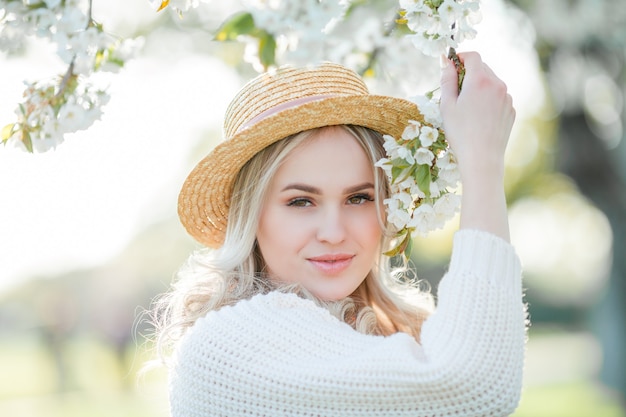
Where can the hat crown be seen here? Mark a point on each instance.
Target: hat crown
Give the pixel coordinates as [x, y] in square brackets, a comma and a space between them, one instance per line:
[288, 84]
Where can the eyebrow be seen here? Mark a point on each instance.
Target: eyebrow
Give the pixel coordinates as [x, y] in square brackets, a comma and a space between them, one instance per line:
[314, 190]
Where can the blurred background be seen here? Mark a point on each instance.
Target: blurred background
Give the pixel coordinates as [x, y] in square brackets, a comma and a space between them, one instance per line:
[89, 233]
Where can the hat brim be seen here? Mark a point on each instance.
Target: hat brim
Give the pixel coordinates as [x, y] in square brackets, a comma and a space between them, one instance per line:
[204, 200]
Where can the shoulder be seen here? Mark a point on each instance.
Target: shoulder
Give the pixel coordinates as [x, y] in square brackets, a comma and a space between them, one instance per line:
[274, 329]
[271, 308]
[275, 322]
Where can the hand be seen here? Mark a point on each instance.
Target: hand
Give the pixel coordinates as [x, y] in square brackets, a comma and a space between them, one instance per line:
[477, 121]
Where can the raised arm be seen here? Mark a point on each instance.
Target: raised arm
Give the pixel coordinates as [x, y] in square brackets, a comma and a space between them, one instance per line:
[478, 123]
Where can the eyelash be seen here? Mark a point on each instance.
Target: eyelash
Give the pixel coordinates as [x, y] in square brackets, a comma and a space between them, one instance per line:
[363, 197]
[297, 202]
[305, 202]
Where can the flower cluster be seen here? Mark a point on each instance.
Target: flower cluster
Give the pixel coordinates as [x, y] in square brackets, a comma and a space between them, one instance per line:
[296, 25]
[440, 24]
[307, 17]
[53, 108]
[49, 112]
[423, 174]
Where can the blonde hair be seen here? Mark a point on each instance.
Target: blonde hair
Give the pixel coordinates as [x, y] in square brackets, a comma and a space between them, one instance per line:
[388, 301]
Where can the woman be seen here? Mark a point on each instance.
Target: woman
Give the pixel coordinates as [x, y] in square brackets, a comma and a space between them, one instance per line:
[295, 311]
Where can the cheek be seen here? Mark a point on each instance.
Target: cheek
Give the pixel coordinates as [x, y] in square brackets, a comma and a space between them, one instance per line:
[277, 232]
[368, 230]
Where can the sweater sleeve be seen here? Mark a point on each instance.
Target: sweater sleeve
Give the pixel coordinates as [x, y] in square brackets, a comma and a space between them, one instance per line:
[280, 355]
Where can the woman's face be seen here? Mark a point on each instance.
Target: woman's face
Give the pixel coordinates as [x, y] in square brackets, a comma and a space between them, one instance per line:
[319, 224]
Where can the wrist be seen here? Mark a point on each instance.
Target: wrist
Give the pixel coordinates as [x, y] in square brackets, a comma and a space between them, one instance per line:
[477, 161]
[481, 174]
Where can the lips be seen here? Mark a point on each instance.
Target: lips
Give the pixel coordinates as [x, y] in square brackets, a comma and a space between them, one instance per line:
[331, 264]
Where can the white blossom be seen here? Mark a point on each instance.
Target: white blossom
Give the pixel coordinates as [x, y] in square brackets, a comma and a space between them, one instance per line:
[435, 28]
[385, 165]
[71, 115]
[120, 52]
[424, 156]
[396, 151]
[447, 205]
[428, 136]
[412, 130]
[429, 108]
[435, 190]
[470, 17]
[449, 12]
[412, 6]
[399, 218]
[390, 144]
[423, 219]
[72, 20]
[410, 187]
[404, 153]
[449, 175]
[42, 19]
[250, 54]
[184, 5]
[430, 45]
[397, 205]
[46, 144]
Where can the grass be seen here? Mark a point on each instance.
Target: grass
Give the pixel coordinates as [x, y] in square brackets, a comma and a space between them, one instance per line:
[97, 385]
[570, 399]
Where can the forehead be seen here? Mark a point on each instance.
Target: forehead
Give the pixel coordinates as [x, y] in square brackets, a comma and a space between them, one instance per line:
[331, 154]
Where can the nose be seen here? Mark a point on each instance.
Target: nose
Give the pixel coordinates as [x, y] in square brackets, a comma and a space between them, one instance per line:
[331, 227]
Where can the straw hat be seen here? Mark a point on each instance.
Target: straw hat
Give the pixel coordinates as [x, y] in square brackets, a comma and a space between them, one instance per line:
[269, 108]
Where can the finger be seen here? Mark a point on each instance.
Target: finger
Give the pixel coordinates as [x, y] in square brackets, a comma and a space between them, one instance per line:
[449, 82]
[471, 60]
[488, 70]
[509, 104]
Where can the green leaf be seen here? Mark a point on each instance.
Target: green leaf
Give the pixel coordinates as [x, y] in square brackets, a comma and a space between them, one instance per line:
[399, 169]
[400, 162]
[434, 4]
[423, 179]
[403, 247]
[28, 142]
[267, 50]
[239, 24]
[35, 6]
[440, 145]
[409, 245]
[7, 132]
[396, 171]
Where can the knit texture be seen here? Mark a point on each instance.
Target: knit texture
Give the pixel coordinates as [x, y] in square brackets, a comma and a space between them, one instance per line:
[280, 355]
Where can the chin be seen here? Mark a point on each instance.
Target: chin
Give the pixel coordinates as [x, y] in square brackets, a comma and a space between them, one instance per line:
[332, 294]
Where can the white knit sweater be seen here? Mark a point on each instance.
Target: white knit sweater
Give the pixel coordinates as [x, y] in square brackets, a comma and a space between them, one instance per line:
[280, 355]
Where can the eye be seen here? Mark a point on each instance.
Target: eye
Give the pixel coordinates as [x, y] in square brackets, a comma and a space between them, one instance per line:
[299, 202]
[359, 199]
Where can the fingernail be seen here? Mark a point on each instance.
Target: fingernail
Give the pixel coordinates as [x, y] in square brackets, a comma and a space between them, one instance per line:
[443, 61]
